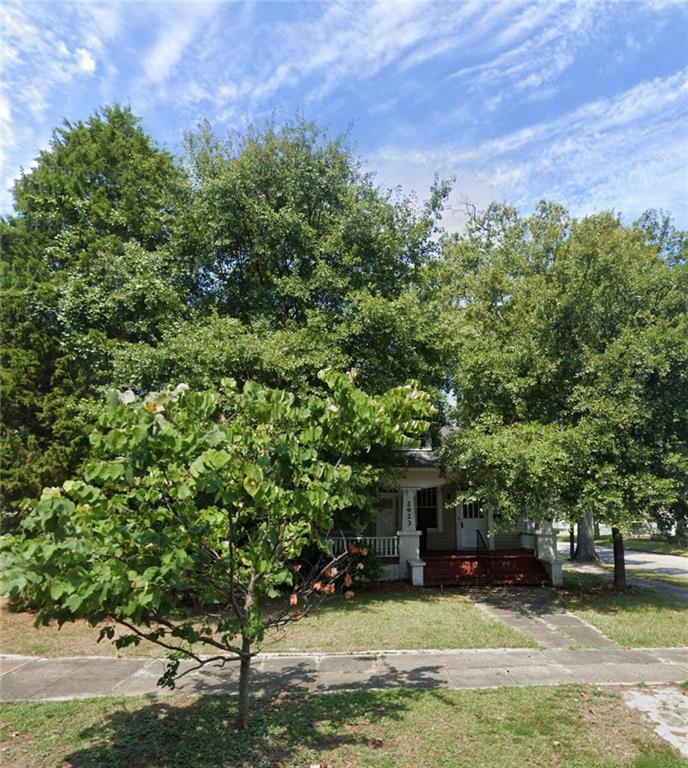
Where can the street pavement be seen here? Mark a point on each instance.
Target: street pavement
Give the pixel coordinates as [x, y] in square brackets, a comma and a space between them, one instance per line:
[672, 565]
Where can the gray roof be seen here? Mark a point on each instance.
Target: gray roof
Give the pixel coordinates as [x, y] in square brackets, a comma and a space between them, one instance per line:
[420, 458]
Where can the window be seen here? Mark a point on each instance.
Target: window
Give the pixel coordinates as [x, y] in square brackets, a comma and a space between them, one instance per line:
[426, 508]
[473, 510]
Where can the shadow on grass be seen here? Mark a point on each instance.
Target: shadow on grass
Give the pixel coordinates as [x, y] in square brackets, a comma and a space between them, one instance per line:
[284, 730]
[341, 729]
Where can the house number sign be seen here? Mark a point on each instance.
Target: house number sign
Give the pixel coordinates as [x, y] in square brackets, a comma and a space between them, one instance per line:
[409, 513]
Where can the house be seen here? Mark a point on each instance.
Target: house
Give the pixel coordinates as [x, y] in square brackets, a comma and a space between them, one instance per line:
[427, 531]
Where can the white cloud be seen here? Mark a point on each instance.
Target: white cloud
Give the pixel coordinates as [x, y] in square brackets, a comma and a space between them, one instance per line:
[84, 60]
[622, 153]
[178, 30]
[543, 41]
[46, 51]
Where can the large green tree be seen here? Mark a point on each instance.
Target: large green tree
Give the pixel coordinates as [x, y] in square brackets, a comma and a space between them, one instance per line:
[290, 236]
[572, 367]
[83, 268]
[286, 222]
[265, 257]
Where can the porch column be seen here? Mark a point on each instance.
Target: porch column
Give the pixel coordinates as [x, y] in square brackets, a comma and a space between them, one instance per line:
[409, 539]
[490, 527]
[546, 551]
[408, 509]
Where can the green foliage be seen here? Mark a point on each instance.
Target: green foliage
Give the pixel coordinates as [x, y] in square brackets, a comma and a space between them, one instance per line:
[82, 270]
[202, 352]
[272, 255]
[267, 257]
[206, 498]
[293, 239]
[285, 223]
[101, 183]
[573, 365]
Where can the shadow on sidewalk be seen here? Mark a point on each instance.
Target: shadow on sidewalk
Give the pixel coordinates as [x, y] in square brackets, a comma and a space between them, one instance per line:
[529, 601]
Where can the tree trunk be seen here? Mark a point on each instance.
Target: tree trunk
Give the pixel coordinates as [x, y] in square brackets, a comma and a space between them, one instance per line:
[585, 549]
[619, 560]
[572, 541]
[681, 534]
[244, 678]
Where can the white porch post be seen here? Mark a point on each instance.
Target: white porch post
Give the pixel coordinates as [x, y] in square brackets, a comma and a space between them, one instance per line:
[408, 509]
[490, 527]
[546, 551]
[409, 539]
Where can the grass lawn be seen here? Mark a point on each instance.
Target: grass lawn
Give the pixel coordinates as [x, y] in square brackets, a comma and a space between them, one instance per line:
[399, 616]
[647, 545]
[509, 727]
[391, 616]
[639, 618]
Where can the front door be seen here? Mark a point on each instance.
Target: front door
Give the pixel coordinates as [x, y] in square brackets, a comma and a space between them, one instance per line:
[470, 518]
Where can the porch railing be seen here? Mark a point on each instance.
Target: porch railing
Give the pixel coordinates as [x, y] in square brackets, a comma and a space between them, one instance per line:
[481, 551]
[384, 546]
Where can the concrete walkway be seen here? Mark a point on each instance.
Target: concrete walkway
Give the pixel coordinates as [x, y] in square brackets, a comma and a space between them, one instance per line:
[42, 679]
[534, 612]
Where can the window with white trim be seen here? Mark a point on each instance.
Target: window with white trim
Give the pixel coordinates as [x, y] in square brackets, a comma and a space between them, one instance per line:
[428, 512]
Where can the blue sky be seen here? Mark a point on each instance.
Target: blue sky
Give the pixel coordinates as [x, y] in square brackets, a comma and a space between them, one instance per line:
[583, 103]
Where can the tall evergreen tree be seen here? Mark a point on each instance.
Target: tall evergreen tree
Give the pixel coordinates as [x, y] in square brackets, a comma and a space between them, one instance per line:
[83, 268]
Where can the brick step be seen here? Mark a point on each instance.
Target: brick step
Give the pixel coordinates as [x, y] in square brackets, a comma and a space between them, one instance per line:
[488, 583]
[471, 570]
[493, 568]
[535, 575]
[534, 579]
[458, 561]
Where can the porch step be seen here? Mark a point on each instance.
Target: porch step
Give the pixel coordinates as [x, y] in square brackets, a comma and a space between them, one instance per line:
[522, 569]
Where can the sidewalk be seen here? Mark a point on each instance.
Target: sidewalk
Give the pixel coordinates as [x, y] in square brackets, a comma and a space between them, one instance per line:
[41, 679]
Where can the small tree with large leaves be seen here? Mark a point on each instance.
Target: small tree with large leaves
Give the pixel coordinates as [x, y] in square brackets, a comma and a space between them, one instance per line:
[190, 521]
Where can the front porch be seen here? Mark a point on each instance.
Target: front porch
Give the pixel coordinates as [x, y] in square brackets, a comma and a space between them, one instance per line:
[430, 533]
[458, 567]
